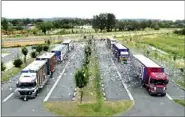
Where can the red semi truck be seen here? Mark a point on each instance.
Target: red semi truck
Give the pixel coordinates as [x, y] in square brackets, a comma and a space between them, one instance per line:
[152, 75]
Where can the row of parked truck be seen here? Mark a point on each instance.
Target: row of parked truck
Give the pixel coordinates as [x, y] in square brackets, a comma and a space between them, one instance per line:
[152, 75]
[35, 75]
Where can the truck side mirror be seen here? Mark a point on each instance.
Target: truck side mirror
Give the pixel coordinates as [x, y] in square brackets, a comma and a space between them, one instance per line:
[166, 81]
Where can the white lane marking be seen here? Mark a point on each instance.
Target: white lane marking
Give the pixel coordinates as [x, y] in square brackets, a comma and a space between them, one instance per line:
[8, 97]
[125, 86]
[58, 79]
[169, 97]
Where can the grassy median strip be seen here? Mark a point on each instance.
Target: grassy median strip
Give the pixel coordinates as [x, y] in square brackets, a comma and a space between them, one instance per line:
[95, 106]
[14, 71]
[181, 102]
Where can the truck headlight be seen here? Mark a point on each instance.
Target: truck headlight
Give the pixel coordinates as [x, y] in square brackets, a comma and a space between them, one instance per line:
[154, 88]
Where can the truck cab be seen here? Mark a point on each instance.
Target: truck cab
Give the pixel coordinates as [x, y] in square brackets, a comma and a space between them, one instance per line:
[27, 85]
[157, 83]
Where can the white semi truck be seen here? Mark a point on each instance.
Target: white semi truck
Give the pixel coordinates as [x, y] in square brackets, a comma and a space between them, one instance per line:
[32, 79]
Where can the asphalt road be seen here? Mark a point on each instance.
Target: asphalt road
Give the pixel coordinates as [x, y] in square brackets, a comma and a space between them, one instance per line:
[113, 87]
[14, 106]
[146, 105]
[65, 88]
[13, 52]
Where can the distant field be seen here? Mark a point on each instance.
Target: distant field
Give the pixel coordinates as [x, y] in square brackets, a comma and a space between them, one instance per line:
[53, 33]
[6, 44]
[63, 32]
[22, 43]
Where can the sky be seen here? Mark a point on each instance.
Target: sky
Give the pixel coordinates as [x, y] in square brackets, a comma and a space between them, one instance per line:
[164, 10]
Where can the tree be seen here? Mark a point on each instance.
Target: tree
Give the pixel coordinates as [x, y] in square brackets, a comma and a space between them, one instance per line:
[45, 26]
[25, 52]
[4, 23]
[80, 81]
[45, 47]
[100, 21]
[48, 42]
[39, 48]
[111, 21]
[17, 63]
[33, 54]
[3, 68]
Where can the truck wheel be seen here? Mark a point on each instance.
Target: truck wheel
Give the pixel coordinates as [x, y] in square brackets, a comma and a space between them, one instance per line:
[37, 93]
[150, 92]
[143, 84]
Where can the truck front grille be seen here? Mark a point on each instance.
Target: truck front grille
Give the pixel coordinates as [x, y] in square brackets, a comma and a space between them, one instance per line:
[25, 92]
[159, 89]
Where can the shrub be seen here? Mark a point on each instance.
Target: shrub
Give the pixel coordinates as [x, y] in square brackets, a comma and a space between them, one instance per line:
[33, 54]
[39, 48]
[17, 63]
[45, 47]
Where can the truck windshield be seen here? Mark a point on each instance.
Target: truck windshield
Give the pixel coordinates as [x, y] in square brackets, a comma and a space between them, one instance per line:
[160, 82]
[26, 85]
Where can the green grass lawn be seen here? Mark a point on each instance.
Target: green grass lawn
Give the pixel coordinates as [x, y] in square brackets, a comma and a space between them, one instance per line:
[181, 102]
[170, 43]
[88, 109]
[181, 83]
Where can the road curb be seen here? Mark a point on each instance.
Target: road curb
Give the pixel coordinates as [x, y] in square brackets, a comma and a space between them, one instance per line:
[178, 85]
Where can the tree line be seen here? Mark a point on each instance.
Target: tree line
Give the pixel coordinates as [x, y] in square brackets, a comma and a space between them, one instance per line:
[103, 21]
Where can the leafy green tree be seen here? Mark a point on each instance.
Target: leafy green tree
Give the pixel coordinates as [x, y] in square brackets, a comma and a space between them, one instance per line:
[3, 68]
[111, 21]
[81, 81]
[45, 26]
[4, 23]
[24, 52]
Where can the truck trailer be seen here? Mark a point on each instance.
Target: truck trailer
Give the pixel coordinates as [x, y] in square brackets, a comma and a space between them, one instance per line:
[110, 42]
[60, 52]
[32, 78]
[120, 52]
[69, 44]
[152, 76]
[51, 62]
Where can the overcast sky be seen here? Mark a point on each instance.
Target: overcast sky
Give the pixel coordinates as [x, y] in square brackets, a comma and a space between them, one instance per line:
[166, 10]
